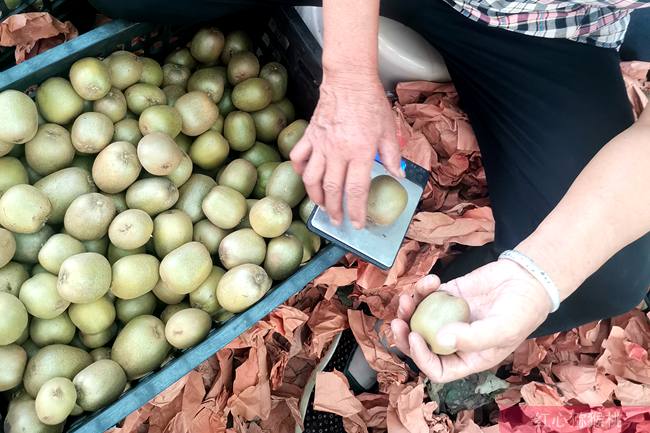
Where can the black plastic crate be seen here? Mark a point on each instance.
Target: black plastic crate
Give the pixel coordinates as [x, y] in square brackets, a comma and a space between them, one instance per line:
[280, 35]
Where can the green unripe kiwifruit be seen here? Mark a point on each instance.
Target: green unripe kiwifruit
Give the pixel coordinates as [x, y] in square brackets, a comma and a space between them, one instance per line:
[269, 122]
[134, 275]
[58, 102]
[276, 74]
[50, 150]
[242, 66]
[116, 167]
[55, 401]
[7, 247]
[239, 175]
[29, 245]
[205, 297]
[90, 78]
[176, 75]
[225, 207]
[192, 194]
[24, 209]
[173, 92]
[172, 229]
[305, 209]
[209, 235]
[128, 309]
[261, 153]
[84, 278]
[131, 229]
[290, 136]
[140, 346]
[13, 359]
[58, 330]
[286, 184]
[283, 257]
[236, 42]
[270, 217]
[127, 130]
[240, 247]
[63, 187]
[225, 104]
[89, 216]
[197, 111]
[387, 199]
[239, 130]
[99, 354]
[141, 96]
[208, 80]
[99, 384]
[40, 297]
[91, 132]
[187, 327]
[209, 150]
[310, 241]
[12, 276]
[12, 172]
[181, 56]
[13, 318]
[113, 105]
[152, 195]
[183, 172]
[185, 268]
[125, 69]
[93, 317]
[253, 94]
[159, 154]
[207, 45]
[100, 338]
[151, 72]
[56, 360]
[242, 286]
[287, 108]
[162, 119]
[18, 117]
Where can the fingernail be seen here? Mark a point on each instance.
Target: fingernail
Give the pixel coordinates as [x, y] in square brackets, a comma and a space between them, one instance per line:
[336, 222]
[448, 340]
[357, 225]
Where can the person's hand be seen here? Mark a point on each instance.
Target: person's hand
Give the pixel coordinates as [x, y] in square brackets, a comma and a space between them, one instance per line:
[506, 303]
[352, 121]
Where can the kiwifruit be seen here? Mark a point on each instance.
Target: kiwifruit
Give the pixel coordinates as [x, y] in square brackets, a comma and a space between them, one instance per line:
[12, 276]
[261, 153]
[225, 207]
[91, 132]
[40, 297]
[209, 150]
[141, 96]
[186, 267]
[159, 154]
[283, 257]
[270, 217]
[310, 241]
[153, 195]
[98, 246]
[127, 130]
[162, 292]
[93, 317]
[290, 136]
[84, 162]
[116, 167]
[187, 327]
[130, 229]
[125, 69]
[170, 310]
[84, 278]
[116, 253]
[205, 296]
[13, 359]
[24, 209]
[209, 235]
[245, 222]
[18, 117]
[239, 175]
[57, 102]
[58, 330]
[113, 105]
[225, 104]
[100, 338]
[99, 354]
[174, 74]
[6, 148]
[242, 286]
[277, 76]
[21, 417]
[181, 56]
[28, 245]
[128, 309]
[242, 246]
[56, 360]
[253, 94]
[208, 80]
[7, 247]
[151, 72]
[13, 318]
[236, 42]
[62, 187]
[387, 199]
[242, 66]
[23, 337]
[286, 184]
[305, 209]
[12, 172]
[207, 45]
[89, 216]
[218, 125]
[38, 269]
[119, 200]
[239, 130]
[99, 384]
[162, 119]
[31, 174]
[184, 142]
[182, 172]
[197, 111]
[269, 122]
[90, 78]
[192, 194]
[287, 108]
[134, 276]
[76, 342]
[140, 346]
[173, 92]
[55, 401]
[50, 150]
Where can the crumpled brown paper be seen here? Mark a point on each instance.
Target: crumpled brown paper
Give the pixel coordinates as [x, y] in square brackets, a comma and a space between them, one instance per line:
[34, 32]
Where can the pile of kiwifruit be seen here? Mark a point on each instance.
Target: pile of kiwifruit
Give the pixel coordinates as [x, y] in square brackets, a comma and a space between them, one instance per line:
[139, 204]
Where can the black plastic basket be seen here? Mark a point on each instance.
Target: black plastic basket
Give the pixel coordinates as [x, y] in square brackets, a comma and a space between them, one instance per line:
[280, 35]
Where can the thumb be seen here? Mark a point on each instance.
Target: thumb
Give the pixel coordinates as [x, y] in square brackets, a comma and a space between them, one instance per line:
[488, 333]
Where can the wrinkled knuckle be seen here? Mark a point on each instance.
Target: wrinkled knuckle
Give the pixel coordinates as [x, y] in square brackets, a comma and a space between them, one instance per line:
[356, 191]
[332, 187]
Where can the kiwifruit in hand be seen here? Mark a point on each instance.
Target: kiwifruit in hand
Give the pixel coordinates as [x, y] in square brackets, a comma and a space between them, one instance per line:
[140, 346]
[99, 384]
[173, 92]
[225, 104]
[151, 72]
[91, 132]
[253, 94]
[198, 113]
[209, 150]
[181, 56]
[269, 122]
[239, 130]
[161, 118]
[242, 66]
[205, 296]
[242, 286]
[12, 172]
[387, 200]
[125, 69]
[58, 102]
[128, 309]
[18, 117]
[207, 45]
[90, 78]
[131, 229]
[224, 206]
[89, 216]
[435, 311]
[239, 175]
[242, 246]
[174, 74]
[186, 267]
[287, 108]
[236, 42]
[50, 150]
[209, 235]
[286, 184]
[7, 247]
[182, 172]
[208, 80]
[276, 74]
[55, 401]
[270, 217]
[159, 154]
[40, 297]
[283, 257]
[187, 327]
[127, 130]
[152, 195]
[24, 209]
[141, 96]
[13, 359]
[261, 153]
[172, 229]
[116, 167]
[13, 318]
[192, 194]
[134, 276]
[290, 136]
[84, 278]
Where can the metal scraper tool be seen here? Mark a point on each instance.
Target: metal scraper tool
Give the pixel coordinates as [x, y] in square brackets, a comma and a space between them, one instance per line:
[378, 245]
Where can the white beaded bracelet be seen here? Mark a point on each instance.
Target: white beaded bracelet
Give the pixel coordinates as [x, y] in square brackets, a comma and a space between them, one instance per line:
[527, 263]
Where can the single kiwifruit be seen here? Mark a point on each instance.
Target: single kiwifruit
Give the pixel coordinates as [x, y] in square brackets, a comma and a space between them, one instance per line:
[387, 200]
[18, 117]
[161, 118]
[50, 150]
[116, 167]
[28, 245]
[209, 235]
[55, 401]
[7, 247]
[128, 309]
[131, 229]
[290, 136]
[13, 318]
[58, 102]
[239, 175]
[208, 80]
[184, 142]
[58, 330]
[90, 78]
[91, 132]
[269, 122]
[270, 217]
[56, 360]
[89, 216]
[225, 104]
[140, 346]
[182, 172]
[127, 130]
[305, 209]
[310, 241]
[277, 76]
[21, 417]
[170, 310]
[116, 253]
[125, 69]
[6, 148]
[207, 45]
[13, 359]
[174, 74]
[40, 297]
[172, 229]
[151, 72]
[141, 96]
[242, 246]
[134, 276]
[98, 339]
[192, 194]
[186, 267]
[264, 173]
[99, 354]
[12, 172]
[286, 184]
[181, 56]
[253, 94]
[187, 327]
[197, 111]
[287, 108]
[173, 92]
[24, 209]
[99, 384]
[12, 276]
[224, 206]
[64, 186]
[113, 105]
[99, 246]
[242, 66]
[152, 195]
[205, 296]
[283, 257]
[236, 42]
[159, 154]
[239, 130]
[93, 317]
[169, 297]
[209, 150]
[261, 153]
[84, 278]
[31, 174]
[242, 286]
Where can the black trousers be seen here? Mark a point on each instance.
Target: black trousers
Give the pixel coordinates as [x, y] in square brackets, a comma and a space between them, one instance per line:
[540, 108]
